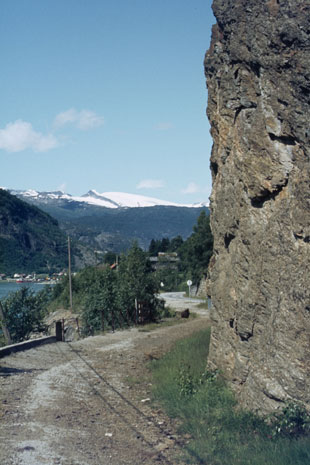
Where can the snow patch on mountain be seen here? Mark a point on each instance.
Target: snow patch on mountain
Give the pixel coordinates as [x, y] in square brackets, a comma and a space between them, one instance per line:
[106, 199]
[126, 200]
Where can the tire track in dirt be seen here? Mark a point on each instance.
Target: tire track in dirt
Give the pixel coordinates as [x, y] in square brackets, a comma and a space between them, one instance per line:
[73, 404]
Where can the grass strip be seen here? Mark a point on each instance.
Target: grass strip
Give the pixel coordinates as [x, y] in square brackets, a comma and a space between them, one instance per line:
[221, 433]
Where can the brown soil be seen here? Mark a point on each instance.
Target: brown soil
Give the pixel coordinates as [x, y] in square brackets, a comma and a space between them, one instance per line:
[89, 402]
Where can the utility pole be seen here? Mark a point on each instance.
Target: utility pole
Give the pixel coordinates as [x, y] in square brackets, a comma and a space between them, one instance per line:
[4, 327]
[69, 272]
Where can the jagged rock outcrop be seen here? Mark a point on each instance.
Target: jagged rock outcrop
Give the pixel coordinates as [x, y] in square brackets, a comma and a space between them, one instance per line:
[258, 79]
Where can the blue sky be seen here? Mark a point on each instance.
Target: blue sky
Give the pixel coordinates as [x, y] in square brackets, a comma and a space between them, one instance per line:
[105, 95]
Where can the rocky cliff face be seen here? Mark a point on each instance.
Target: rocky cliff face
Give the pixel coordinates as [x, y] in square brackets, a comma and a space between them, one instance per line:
[258, 79]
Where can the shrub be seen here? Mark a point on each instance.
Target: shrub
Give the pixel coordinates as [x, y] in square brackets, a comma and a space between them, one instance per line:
[24, 312]
[292, 421]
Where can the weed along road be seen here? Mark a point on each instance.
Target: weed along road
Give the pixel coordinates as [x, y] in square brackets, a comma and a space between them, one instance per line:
[89, 402]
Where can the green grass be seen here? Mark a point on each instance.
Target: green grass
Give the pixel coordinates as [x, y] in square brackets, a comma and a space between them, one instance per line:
[221, 433]
[172, 321]
[203, 305]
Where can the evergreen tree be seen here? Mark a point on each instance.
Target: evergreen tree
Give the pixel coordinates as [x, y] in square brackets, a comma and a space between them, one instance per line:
[153, 248]
[175, 244]
[197, 249]
[165, 243]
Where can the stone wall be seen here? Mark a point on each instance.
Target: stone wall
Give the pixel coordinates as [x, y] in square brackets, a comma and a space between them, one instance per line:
[258, 79]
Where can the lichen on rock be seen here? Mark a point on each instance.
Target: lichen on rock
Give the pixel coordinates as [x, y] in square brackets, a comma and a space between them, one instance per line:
[258, 79]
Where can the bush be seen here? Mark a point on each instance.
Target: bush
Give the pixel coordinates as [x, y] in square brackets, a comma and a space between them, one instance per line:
[292, 421]
[24, 312]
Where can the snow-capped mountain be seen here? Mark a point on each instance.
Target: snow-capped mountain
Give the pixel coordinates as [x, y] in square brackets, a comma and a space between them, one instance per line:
[109, 221]
[106, 199]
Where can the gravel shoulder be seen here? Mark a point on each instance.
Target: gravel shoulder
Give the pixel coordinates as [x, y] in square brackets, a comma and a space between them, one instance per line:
[89, 402]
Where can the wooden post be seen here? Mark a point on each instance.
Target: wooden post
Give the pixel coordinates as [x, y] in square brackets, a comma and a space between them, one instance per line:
[4, 327]
[69, 272]
[59, 332]
[136, 307]
[102, 320]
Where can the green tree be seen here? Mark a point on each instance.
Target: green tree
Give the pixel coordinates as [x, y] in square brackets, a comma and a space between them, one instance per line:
[137, 282]
[107, 297]
[24, 312]
[100, 303]
[175, 244]
[164, 245]
[110, 258]
[154, 247]
[197, 250]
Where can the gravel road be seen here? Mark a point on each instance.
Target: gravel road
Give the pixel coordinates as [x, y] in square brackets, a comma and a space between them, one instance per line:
[179, 301]
[89, 402]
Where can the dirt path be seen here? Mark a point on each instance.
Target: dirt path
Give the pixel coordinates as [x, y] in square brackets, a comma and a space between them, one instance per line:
[88, 402]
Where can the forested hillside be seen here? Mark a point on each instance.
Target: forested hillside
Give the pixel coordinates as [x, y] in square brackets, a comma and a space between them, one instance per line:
[30, 240]
[115, 230]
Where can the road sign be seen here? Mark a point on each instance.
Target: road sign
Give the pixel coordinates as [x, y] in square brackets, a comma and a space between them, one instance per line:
[189, 282]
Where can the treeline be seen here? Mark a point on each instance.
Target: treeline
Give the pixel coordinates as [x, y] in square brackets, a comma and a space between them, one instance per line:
[194, 253]
[108, 296]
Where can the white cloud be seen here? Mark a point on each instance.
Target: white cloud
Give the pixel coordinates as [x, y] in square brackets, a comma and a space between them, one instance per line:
[150, 184]
[84, 119]
[163, 126]
[62, 187]
[192, 188]
[20, 135]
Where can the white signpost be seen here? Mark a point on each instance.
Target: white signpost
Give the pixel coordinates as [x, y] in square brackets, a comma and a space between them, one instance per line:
[189, 283]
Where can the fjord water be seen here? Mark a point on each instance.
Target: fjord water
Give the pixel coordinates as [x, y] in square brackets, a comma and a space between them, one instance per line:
[7, 287]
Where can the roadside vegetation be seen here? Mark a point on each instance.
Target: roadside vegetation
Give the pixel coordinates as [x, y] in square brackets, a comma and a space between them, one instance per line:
[109, 297]
[221, 433]
[105, 297]
[24, 313]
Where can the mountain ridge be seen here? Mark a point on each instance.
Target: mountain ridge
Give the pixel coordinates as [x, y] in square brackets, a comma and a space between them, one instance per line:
[89, 221]
[105, 199]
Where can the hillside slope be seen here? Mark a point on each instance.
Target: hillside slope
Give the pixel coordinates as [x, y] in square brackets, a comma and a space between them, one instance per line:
[108, 229]
[30, 239]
